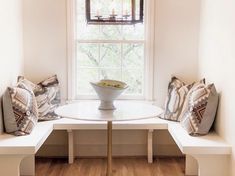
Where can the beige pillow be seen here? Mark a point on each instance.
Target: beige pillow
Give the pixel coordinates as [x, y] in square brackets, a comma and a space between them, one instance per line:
[177, 92]
[199, 117]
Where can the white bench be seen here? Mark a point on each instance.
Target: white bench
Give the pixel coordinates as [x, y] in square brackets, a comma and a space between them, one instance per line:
[208, 150]
[14, 149]
[205, 155]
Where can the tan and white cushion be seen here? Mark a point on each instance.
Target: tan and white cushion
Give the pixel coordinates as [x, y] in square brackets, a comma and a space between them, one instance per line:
[177, 92]
[186, 102]
[199, 117]
[47, 93]
[20, 110]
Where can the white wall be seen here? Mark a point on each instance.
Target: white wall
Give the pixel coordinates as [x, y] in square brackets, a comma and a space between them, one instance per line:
[45, 40]
[45, 54]
[217, 61]
[176, 43]
[11, 58]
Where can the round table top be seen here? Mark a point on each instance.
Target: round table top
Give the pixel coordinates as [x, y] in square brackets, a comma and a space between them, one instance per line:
[125, 110]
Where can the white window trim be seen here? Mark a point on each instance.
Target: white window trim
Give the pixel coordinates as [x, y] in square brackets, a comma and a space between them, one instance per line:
[149, 53]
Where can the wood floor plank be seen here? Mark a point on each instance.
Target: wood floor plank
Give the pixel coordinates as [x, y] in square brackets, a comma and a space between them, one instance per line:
[121, 167]
[42, 166]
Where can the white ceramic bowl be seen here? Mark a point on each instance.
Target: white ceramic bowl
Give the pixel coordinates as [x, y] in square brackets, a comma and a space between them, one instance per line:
[108, 91]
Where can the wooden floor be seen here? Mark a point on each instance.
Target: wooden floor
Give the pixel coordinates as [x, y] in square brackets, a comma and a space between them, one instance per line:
[121, 167]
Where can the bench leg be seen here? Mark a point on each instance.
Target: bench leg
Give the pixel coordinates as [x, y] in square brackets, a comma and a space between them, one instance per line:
[27, 166]
[71, 146]
[212, 165]
[10, 165]
[191, 166]
[150, 146]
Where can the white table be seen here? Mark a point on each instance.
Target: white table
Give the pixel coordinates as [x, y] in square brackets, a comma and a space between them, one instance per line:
[125, 110]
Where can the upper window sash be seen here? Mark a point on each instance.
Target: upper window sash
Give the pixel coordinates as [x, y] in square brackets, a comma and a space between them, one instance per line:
[149, 50]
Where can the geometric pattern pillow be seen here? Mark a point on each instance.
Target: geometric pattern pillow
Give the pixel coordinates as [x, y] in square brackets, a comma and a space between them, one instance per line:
[186, 102]
[177, 92]
[47, 94]
[200, 115]
[20, 111]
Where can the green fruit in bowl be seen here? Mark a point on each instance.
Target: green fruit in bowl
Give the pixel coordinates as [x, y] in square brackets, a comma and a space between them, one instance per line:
[112, 83]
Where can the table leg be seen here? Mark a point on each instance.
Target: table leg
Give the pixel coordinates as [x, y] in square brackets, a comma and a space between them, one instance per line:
[70, 146]
[109, 151]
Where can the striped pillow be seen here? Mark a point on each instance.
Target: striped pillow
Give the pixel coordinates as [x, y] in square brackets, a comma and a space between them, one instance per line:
[186, 102]
[177, 92]
[47, 95]
[20, 110]
[199, 117]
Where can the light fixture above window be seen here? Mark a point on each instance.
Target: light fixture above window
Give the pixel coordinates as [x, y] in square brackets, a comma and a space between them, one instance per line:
[114, 12]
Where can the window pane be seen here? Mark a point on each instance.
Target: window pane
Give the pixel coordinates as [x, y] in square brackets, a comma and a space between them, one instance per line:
[84, 31]
[111, 32]
[88, 54]
[83, 85]
[111, 74]
[133, 55]
[134, 79]
[110, 55]
[80, 4]
[133, 32]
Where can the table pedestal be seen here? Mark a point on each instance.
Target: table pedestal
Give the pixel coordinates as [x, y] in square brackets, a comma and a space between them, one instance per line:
[109, 148]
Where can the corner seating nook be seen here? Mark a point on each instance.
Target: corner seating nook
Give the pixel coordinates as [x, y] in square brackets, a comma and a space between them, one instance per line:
[205, 155]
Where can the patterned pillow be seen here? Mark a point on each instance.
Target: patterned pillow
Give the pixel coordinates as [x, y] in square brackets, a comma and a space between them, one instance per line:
[20, 110]
[200, 115]
[177, 92]
[47, 95]
[186, 102]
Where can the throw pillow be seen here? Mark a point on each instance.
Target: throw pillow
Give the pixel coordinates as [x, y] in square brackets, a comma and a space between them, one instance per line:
[47, 93]
[20, 110]
[177, 92]
[200, 115]
[186, 102]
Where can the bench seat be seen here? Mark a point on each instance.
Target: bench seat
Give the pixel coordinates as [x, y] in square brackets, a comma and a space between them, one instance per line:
[211, 143]
[26, 145]
[205, 155]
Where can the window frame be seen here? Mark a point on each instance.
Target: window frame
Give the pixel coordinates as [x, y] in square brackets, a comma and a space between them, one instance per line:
[148, 54]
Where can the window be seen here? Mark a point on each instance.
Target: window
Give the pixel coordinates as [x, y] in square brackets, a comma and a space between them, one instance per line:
[107, 52]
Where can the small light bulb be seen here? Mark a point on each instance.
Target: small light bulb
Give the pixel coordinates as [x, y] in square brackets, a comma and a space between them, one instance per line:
[112, 6]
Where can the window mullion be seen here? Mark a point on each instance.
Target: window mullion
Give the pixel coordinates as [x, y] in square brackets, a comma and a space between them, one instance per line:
[99, 69]
[110, 41]
[122, 61]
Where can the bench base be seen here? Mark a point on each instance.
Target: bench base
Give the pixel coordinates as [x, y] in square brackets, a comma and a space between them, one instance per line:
[16, 165]
[207, 165]
[27, 166]
[71, 146]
